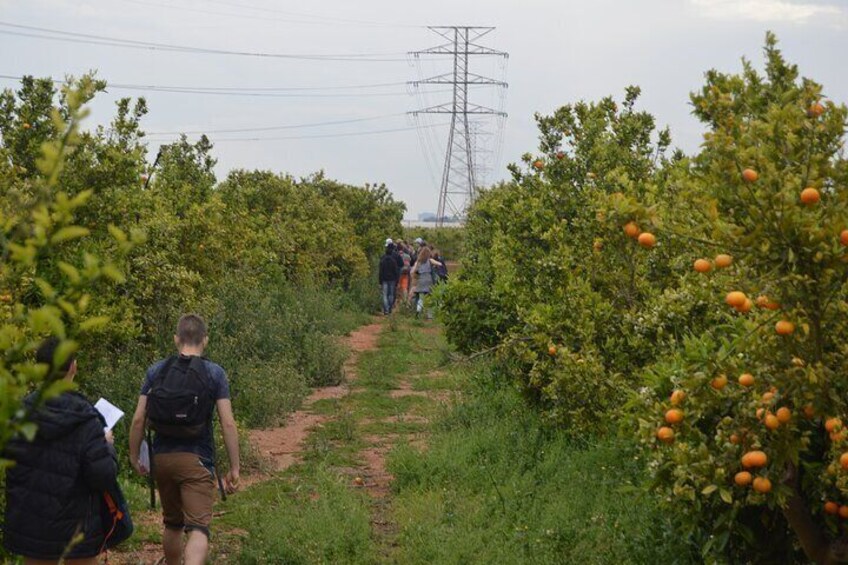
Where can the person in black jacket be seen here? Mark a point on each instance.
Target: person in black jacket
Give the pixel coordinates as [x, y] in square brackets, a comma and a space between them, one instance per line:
[54, 490]
[389, 276]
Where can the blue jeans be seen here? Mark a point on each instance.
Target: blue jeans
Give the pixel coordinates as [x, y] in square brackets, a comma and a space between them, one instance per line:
[389, 296]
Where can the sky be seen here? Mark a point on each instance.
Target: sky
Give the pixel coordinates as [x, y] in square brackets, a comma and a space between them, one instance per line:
[560, 51]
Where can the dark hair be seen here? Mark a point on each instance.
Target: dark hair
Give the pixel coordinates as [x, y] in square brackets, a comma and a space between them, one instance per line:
[191, 330]
[46, 354]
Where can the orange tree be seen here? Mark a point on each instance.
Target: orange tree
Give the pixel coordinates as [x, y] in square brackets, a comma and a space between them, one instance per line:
[746, 438]
[48, 281]
[562, 296]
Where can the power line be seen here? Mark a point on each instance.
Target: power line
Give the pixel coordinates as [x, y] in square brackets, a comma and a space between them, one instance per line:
[248, 92]
[74, 37]
[239, 88]
[288, 126]
[312, 19]
[319, 136]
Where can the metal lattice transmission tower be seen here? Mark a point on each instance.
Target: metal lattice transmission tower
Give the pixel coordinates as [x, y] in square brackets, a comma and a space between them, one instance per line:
[459, 176]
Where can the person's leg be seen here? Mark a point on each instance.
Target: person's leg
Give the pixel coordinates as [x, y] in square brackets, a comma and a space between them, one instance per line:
[168, 477]
[386, 304]
[391, 290]
[172, 544]
[198, 493]
[197, 548]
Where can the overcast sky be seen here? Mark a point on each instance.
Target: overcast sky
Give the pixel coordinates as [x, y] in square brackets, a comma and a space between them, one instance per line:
[560, 51]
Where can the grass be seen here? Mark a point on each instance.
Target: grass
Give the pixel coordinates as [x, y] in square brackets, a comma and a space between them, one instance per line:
[495, 485]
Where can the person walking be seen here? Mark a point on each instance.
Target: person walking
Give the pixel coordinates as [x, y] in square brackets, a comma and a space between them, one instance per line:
[404, 282]
[424, 271]
[178, 400]
[55, 489]
[389, 275]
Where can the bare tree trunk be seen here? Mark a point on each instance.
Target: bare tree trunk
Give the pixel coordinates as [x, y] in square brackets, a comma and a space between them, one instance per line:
[816, 544]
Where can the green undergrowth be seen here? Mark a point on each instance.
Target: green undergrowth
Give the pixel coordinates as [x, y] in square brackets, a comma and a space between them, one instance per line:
[301, 518]
[495, 485]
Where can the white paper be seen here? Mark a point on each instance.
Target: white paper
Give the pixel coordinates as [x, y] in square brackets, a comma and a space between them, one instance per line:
[144, 455]
[110, 412]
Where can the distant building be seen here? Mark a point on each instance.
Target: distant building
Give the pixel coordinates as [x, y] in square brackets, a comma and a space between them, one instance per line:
[427, 217]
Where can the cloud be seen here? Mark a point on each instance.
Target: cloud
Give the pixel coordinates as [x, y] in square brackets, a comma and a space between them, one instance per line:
[769, 10]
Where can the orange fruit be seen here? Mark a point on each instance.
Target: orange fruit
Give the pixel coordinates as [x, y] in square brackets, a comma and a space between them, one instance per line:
[647, 240]
[768, 396]
[843, 461]
[735, 298]
[538, 165]
[743, 478]
[843, 237]
[719, 382]
[810, 196]
[734, 439]
[831, 508]
[746, 306]
[843, 512]
[677, 397]
[763, 301]
[832, 424]
[760, 412]
[665, 434]
[560, 155]
[837, 437]
[809, 411]
[754, 459]
[552, 351]
[783, 414]
[746, 379]
[598, 245]
[674, 416]
[704, 266]
[815, 110]
[784, 327]
[773, 306]
[750, 175]
[632, 230]
[772, 422]
[762, 485]
[723, 260]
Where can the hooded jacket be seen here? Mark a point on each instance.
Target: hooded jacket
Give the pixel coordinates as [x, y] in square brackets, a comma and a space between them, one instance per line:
[55, 488]
[389, 270]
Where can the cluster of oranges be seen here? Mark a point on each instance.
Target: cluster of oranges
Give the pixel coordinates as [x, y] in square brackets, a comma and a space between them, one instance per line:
[721, 261]
[645, 239]
[753, 460]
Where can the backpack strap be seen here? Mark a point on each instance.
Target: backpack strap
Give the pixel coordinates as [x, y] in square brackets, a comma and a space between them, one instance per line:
[160, 374]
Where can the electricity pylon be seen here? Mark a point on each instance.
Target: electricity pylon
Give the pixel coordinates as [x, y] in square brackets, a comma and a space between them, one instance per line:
[458, 187]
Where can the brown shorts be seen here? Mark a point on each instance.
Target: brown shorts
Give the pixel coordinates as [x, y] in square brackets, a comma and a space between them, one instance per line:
[186, 490]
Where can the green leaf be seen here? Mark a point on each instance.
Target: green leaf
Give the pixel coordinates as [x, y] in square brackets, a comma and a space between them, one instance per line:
[28, 430]
[113, 273]
[708, 490]
[56, 388]
[117, 233]
[68, 233]
[69, 271]
[726, 495]
[94, 324]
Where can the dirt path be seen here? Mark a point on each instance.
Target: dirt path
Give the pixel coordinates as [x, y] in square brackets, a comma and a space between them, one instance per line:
[282, 446]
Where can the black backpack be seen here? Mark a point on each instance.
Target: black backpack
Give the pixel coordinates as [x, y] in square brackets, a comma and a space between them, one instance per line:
[179, 402]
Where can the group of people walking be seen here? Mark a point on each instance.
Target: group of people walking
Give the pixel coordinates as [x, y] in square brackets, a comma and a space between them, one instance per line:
[408, 273]
[63, 502]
